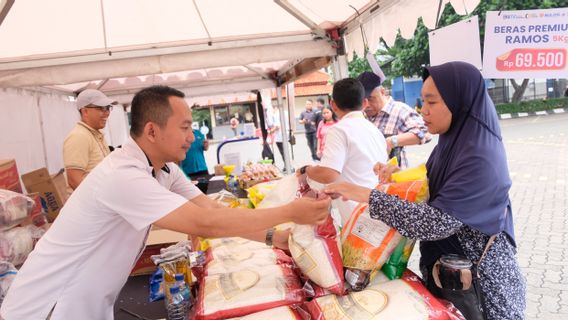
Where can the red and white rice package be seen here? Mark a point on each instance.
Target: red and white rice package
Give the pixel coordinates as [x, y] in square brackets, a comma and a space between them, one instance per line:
[280, 313]
[247, 291]
[405, 298]
[226, 259]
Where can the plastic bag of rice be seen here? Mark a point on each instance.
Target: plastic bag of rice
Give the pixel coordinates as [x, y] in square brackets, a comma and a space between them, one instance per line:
[280, 313]
[316, 251]
[247, 291]
[224, 260]
[404, 298]
[236, 242]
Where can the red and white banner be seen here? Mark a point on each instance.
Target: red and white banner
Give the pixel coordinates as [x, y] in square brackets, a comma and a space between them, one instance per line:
[526, 44]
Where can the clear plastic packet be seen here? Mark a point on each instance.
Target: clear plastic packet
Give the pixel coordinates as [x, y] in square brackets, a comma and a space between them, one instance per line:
[247, 291]
[17, 243]
[14, 208]
[157, 286]
[7, 274]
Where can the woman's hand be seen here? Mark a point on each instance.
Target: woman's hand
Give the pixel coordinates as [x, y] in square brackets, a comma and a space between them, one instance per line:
[348, 191]
[384, 171]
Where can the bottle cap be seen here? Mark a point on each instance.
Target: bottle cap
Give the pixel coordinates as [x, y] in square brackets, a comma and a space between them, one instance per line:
[179, 277]
[174, 289]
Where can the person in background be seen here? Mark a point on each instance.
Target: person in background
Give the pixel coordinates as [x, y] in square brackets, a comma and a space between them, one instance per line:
[399, 123]
[328, 120]
[352, 146]
[235, 126]
[277, 132]
[194, 165]
[320, 104]
[85, 146]
[308, 119]
[79, 266]
[469, 190]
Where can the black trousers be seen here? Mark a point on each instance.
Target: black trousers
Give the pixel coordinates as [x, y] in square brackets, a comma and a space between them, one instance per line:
[312, 144]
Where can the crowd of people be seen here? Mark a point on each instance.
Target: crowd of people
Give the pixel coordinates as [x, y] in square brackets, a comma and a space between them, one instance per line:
[119, 195]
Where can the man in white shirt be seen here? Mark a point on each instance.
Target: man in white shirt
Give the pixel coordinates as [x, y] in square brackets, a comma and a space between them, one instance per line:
[79, 266]
[352, 146]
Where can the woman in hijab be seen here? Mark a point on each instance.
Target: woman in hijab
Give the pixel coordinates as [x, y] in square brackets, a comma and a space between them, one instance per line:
[469, 184]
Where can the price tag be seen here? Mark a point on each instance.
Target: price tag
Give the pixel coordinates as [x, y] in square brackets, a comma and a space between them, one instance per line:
[531, 59]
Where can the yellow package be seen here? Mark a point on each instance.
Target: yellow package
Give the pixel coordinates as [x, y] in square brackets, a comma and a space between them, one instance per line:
[411, 174]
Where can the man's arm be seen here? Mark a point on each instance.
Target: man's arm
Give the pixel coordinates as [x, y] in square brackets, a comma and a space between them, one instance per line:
[404, 139]
[227, 222]
[322, 174]
[75, 177]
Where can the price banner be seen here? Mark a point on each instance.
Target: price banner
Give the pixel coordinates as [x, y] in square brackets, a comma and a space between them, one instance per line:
[526, 44]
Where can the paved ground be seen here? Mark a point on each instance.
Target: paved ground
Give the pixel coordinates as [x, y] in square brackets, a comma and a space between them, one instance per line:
[537, 149]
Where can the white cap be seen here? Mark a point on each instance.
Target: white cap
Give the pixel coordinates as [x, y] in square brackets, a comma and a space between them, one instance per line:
[94, 97]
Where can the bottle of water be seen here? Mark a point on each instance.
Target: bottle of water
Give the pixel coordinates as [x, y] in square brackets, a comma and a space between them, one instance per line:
[175, 305]
[183, 289]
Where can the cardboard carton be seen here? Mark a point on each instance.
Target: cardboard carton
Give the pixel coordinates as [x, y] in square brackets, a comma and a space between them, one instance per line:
[9, 177]
[50, 189]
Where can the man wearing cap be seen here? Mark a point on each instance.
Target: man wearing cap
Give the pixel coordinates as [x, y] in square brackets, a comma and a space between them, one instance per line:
[85, 146]
[400, 124]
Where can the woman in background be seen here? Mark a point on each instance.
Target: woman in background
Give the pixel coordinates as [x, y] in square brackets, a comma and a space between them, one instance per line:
[328, 120]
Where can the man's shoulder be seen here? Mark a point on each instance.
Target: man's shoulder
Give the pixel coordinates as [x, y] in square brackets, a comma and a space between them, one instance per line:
[78, 132]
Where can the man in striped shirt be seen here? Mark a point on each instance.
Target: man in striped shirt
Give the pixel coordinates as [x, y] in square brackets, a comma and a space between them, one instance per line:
[400, 124]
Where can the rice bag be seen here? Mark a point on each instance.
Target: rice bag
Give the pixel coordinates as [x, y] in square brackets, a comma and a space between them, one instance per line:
[14, 208]
[366, 244]
[404, 298]
[236, 242]
[280, 313]
[224, 260]
[247, 291]
[398, 261]
[17, 243]
[316, 251]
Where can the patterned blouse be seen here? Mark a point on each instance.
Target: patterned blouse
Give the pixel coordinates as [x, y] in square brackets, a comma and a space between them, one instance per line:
[502, 284]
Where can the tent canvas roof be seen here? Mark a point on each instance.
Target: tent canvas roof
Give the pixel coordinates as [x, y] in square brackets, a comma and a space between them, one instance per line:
[120, 46]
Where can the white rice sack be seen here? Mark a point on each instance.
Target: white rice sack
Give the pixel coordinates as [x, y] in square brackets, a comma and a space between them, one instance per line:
[316, 251]
[14, 207]
[233, 242]
[17, 243]
[225, 260]
[283, 192]
[280, 313]
[247, 291]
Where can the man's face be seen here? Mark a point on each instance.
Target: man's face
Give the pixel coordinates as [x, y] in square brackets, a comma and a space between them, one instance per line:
[95, 117]
[309, 105]
[176, 137]
[375, 102]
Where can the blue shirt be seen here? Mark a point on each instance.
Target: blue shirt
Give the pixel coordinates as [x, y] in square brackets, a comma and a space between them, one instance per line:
[194, 159]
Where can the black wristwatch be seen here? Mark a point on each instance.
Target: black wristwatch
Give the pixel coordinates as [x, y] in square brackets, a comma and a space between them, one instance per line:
[269, 236]
[303, 169]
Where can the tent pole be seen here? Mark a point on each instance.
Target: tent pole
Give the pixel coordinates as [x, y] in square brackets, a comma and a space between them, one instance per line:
[42, 130]
[283, 126]
[339, 67]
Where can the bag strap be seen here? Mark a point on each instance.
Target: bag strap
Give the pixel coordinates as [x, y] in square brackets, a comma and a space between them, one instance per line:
[487, 246]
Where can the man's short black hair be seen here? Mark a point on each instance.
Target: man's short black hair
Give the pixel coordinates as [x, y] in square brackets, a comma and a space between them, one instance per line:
[151, 105]
[321, 101]
[348, 94]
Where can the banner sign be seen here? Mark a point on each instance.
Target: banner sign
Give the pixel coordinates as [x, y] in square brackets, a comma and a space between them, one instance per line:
[526, 44]
[456, 42]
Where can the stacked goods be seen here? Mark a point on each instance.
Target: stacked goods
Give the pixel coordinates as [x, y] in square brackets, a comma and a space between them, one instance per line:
[241, 277]
[14, 208]
[405, 298]
[254, 173]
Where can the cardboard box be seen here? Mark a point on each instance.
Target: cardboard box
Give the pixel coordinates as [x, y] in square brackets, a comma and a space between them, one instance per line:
[157, 239]
[49, 190]
[9, 177]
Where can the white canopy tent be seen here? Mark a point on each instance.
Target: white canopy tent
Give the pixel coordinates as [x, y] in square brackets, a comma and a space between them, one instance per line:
[52, 49]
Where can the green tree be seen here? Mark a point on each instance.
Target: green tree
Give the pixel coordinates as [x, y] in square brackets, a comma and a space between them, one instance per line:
[408, 57]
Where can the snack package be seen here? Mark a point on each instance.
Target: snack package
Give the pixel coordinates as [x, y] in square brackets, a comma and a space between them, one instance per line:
[405, 298]
[157, 286]
[316, 251]
[280, 313]
[247, 291]
[367, 243]
[17, 243]
[14, 208]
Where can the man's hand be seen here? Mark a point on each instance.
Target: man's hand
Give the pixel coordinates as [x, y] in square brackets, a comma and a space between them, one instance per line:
[384, 171]
[309, 210]
[348, 191]
[280, 239]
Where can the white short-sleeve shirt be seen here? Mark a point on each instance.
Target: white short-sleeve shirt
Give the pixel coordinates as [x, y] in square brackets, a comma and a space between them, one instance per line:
[352, 147]
[82, 262]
